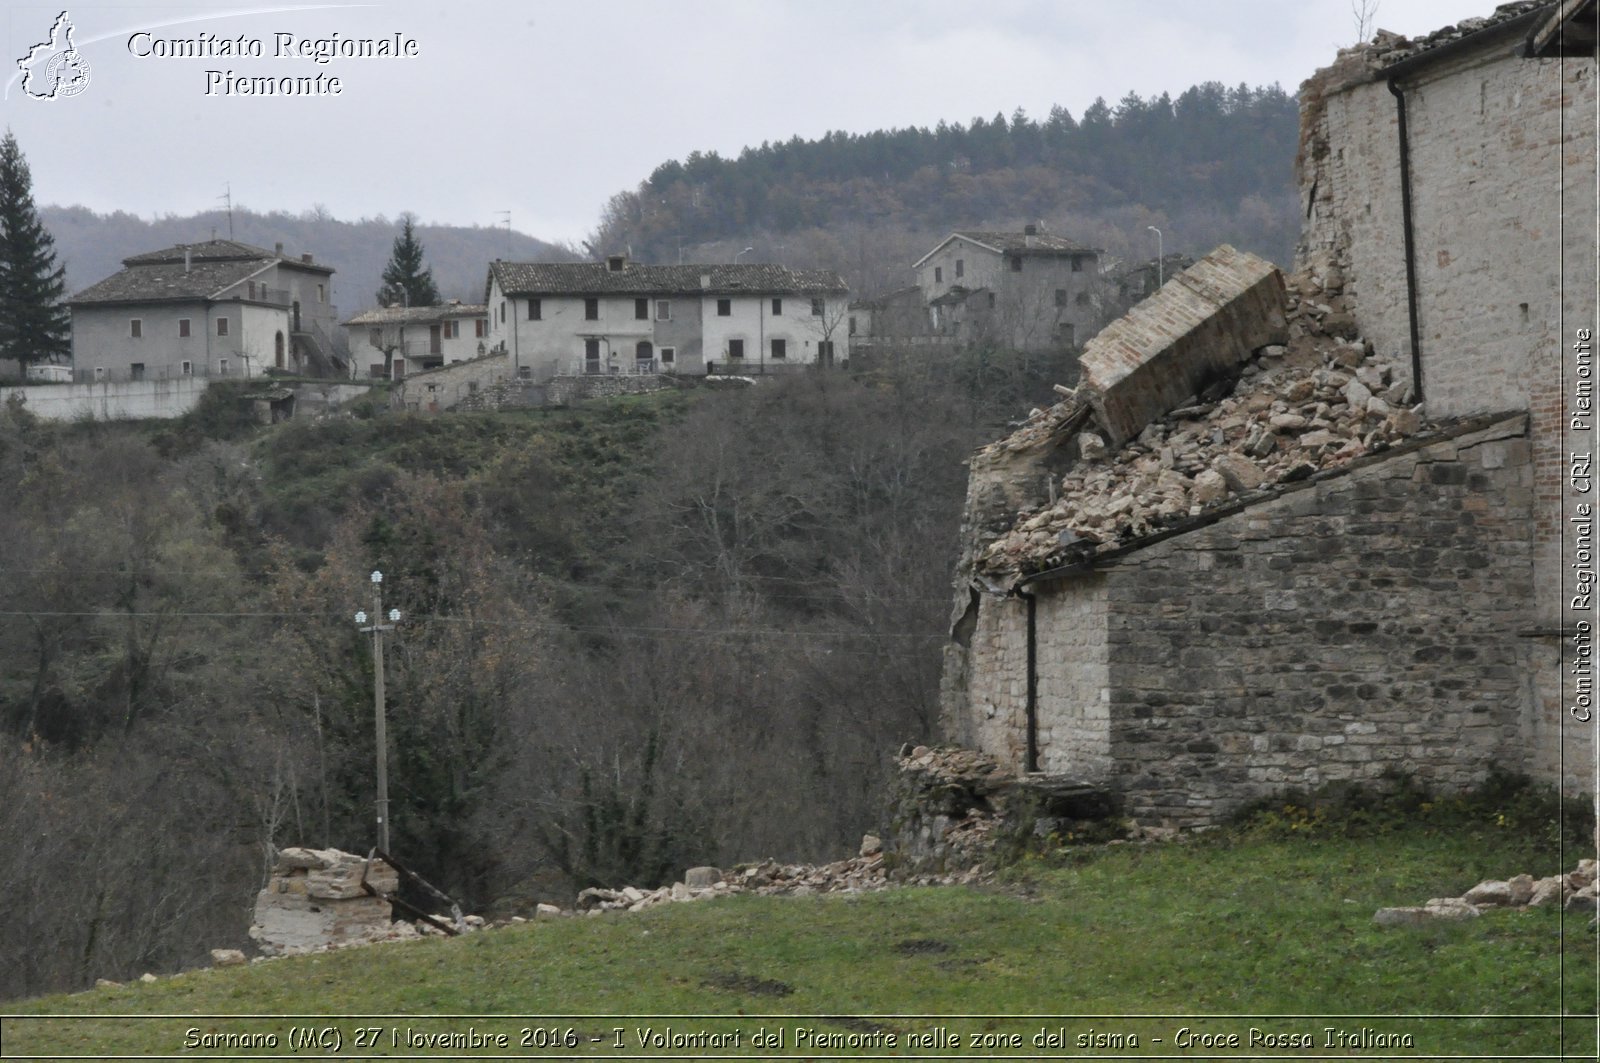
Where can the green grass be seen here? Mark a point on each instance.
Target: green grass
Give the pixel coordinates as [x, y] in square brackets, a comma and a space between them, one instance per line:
[1237, 926]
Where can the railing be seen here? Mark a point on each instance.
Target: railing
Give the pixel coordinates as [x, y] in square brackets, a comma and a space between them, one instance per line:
[631, 367]
[122, 373]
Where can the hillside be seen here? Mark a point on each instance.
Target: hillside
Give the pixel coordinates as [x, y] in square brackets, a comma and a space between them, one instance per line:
[1213, 165]
[1269, 929]
[92, 246]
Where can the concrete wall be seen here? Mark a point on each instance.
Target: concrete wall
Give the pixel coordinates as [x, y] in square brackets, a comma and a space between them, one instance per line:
[117, 401]
[1503, 175]
[1371, 621]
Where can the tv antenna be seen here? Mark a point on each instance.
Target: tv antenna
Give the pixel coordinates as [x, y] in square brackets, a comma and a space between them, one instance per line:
[227, 200]
[506, 218]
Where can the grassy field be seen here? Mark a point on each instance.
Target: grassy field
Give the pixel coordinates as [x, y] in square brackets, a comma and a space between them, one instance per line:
[1272, 931]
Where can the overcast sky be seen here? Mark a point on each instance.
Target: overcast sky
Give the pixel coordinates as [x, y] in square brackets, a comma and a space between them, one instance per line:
[545, 109]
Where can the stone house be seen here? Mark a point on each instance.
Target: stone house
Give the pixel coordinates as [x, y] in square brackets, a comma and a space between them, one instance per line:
[218, 308]
[1353, 538]
[624, 317]
[1027, 291]
[416, 337]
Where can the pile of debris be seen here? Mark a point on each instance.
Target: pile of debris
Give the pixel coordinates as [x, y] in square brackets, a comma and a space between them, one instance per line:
[1320, 401]
[315, 901]
[1577, 890]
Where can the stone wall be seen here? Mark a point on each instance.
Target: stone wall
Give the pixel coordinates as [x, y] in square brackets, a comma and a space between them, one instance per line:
[565, 390]
[449, 386]
[314, 901]
[1502, 154]
[1367, 621]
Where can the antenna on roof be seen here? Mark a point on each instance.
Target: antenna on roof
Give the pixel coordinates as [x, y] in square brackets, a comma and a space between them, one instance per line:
[507, 220]
[227, 199]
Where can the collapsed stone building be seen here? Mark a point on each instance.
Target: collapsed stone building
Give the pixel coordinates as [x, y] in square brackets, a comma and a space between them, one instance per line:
[1330, 527]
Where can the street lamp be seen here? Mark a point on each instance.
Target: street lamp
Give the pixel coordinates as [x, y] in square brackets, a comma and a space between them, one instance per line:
[377, 627]
[746, 251]
[1161, 257]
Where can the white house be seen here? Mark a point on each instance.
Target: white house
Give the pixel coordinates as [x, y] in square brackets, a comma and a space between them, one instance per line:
[416, 337]
[1026, 290]
[219, 308]
[619, 316]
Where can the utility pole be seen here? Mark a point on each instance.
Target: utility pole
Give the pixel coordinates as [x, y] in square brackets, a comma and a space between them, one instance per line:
[380, 725]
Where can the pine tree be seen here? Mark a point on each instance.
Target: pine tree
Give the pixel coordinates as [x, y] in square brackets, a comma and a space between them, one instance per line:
[405, 279]
[34, 325]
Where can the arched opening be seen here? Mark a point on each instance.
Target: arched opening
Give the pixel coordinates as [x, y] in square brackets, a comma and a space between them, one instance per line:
[643, 353]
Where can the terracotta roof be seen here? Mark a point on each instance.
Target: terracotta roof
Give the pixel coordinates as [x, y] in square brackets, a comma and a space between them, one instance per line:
[596, 278]
[392, 315]
[1389, 49]
[1022, 243]
[219, 251]
[165, 282]
[185, 273]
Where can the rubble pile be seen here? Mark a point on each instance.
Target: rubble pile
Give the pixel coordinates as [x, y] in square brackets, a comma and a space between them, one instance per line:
[1388, 48]
[1318, 402]
[314, 901]
[1575, 891]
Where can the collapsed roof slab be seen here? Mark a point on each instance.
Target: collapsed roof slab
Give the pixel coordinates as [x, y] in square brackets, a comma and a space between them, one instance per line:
[1198, 327]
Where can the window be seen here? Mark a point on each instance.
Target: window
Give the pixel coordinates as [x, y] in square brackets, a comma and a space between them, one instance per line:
[99, 372]
[736, 348]
[816, 308]
[480, 328]
[663, 310]
[724, 307]
[1077, 264]
[777, 307]
[591, 309]
[187, 368]
[852, 324]
[322, 293]
[136, 371]
[376, 370]
[222, 326]
[252, 289]
[961, 267]
[669, 355]
[1083, 298]
[1016, 263]
[535, 309]
[136, 328]
[524, 372]
[502, 311]
[452, 329]
[780, 348]
[183, 328]
[938, 274]
[641, 310]
[991, 300]
[222, 366]
[1061, 297]
[643, 351]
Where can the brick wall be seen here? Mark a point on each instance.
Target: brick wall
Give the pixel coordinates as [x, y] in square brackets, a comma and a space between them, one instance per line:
[1370, 621]
[1503, 177]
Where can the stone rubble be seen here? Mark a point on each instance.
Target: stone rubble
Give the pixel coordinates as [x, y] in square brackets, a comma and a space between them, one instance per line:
[1577, 890]
[314, 901]
[1316, 403]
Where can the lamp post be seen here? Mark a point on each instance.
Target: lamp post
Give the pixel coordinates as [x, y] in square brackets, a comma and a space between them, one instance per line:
[377, 627]
[746, 251]
[1161, 258]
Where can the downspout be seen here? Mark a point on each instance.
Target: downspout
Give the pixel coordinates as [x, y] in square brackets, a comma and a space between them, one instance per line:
[1030, 756]
[1410, 239]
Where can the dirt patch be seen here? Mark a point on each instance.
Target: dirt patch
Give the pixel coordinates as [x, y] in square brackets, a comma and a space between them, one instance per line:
[735, 982]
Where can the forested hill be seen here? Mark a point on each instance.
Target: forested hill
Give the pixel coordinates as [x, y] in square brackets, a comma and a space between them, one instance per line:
[1214, 164]
[92, 246]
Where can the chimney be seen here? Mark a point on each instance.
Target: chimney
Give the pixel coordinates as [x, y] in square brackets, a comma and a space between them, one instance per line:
[705, 280]
[306, 259]
[277, 248]
[186, 258]
[1031, 229]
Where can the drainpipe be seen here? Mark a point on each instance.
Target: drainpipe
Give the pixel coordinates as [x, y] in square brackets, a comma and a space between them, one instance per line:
[1410, 239]
[1030, 756]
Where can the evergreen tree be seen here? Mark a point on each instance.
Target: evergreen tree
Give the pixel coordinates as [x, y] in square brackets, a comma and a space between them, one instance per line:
[405, 272]
[34, 325]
